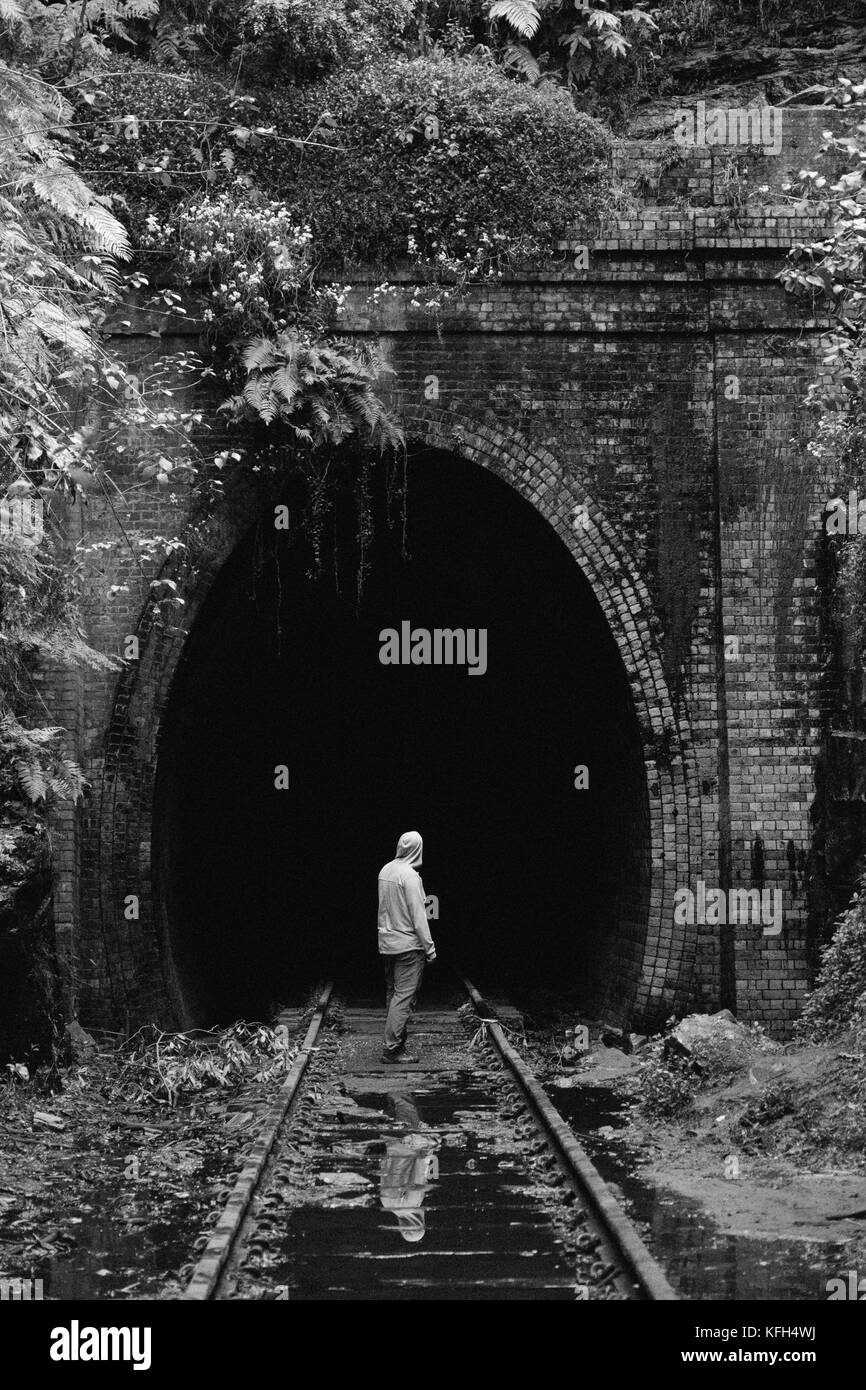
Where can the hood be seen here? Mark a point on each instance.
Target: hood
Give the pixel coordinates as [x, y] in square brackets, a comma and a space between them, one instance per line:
[410, 848]
[412, 1225]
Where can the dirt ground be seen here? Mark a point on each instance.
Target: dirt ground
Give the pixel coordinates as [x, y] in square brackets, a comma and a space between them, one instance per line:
[753, 1171]
[105, 1187]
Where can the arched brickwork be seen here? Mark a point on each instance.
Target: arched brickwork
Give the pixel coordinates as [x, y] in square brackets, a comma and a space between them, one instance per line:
[656, 963]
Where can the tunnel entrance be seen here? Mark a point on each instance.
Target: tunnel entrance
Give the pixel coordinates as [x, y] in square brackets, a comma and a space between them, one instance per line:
[540, 885]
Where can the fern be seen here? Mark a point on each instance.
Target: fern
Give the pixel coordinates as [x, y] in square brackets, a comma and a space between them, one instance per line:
[325, 392]
[36, 770]
[520, 15]
[57, 240]
[285, 383]
[66, 781]
[40, 737]
[31, 779]
[174, 41]
[258, 354]
[11, 12]
[518, 56]
[51, 321]
[58, 185]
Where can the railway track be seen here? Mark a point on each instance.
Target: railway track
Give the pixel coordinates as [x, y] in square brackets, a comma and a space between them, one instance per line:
[450, 1179]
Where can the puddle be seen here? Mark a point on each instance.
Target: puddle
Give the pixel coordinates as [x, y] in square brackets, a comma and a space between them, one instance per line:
[701, 1261]
[130, 1237]
[136, 1260]
[411, 1195]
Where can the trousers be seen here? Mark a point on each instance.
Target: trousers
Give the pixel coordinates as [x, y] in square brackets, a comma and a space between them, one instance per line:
[403, 974]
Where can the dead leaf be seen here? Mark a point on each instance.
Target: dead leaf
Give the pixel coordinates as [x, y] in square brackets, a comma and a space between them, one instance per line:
[41, 1117]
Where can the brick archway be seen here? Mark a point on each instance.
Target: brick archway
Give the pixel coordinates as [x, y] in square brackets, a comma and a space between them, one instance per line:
[656, 957]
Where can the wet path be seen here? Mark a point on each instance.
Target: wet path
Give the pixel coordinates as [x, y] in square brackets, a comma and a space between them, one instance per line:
[702, 1261]
[411, 1182]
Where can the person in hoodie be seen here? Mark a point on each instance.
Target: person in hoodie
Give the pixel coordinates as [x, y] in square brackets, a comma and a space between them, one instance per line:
[405, 943]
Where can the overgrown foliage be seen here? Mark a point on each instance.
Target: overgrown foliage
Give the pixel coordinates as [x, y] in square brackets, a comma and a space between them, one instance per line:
[440, 161]
[838, 1001]
[832, 272]
[318, 391]
[302, 40]
[248, 254]
[168, 1067]
[583, 46]
[37, 621]
[666, 1087]
[669, 1078]
[30, 766]
[257, 199]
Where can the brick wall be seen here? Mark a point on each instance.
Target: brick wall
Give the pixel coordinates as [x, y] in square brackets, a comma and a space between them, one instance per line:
[659, 388]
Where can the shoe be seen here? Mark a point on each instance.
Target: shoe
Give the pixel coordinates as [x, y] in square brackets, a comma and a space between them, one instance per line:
[401, 1056]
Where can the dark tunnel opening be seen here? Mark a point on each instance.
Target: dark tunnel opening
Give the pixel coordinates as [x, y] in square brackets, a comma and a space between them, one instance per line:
[541, 886]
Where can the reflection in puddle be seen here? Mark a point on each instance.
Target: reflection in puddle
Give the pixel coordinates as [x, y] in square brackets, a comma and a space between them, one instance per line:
[408, 1168]
[449, 1207]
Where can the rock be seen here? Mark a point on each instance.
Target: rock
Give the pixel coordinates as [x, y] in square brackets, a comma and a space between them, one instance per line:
[608, 1061]
[720, 1031]
[80, 1041]
[637, 1041]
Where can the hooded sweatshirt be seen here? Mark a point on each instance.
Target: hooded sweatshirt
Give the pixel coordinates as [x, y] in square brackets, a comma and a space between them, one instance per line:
[402, 919]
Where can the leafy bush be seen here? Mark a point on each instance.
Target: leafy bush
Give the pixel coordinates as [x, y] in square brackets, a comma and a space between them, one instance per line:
[264, 194]
[253, 258]
[38, 617]
[582, 45]
[441, 160]
[716, 1060]
[58, 241]
[839, 997]
[669, 1078]
[305, 39]
[666, 1087]
[444, 161]
[777, 1102]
